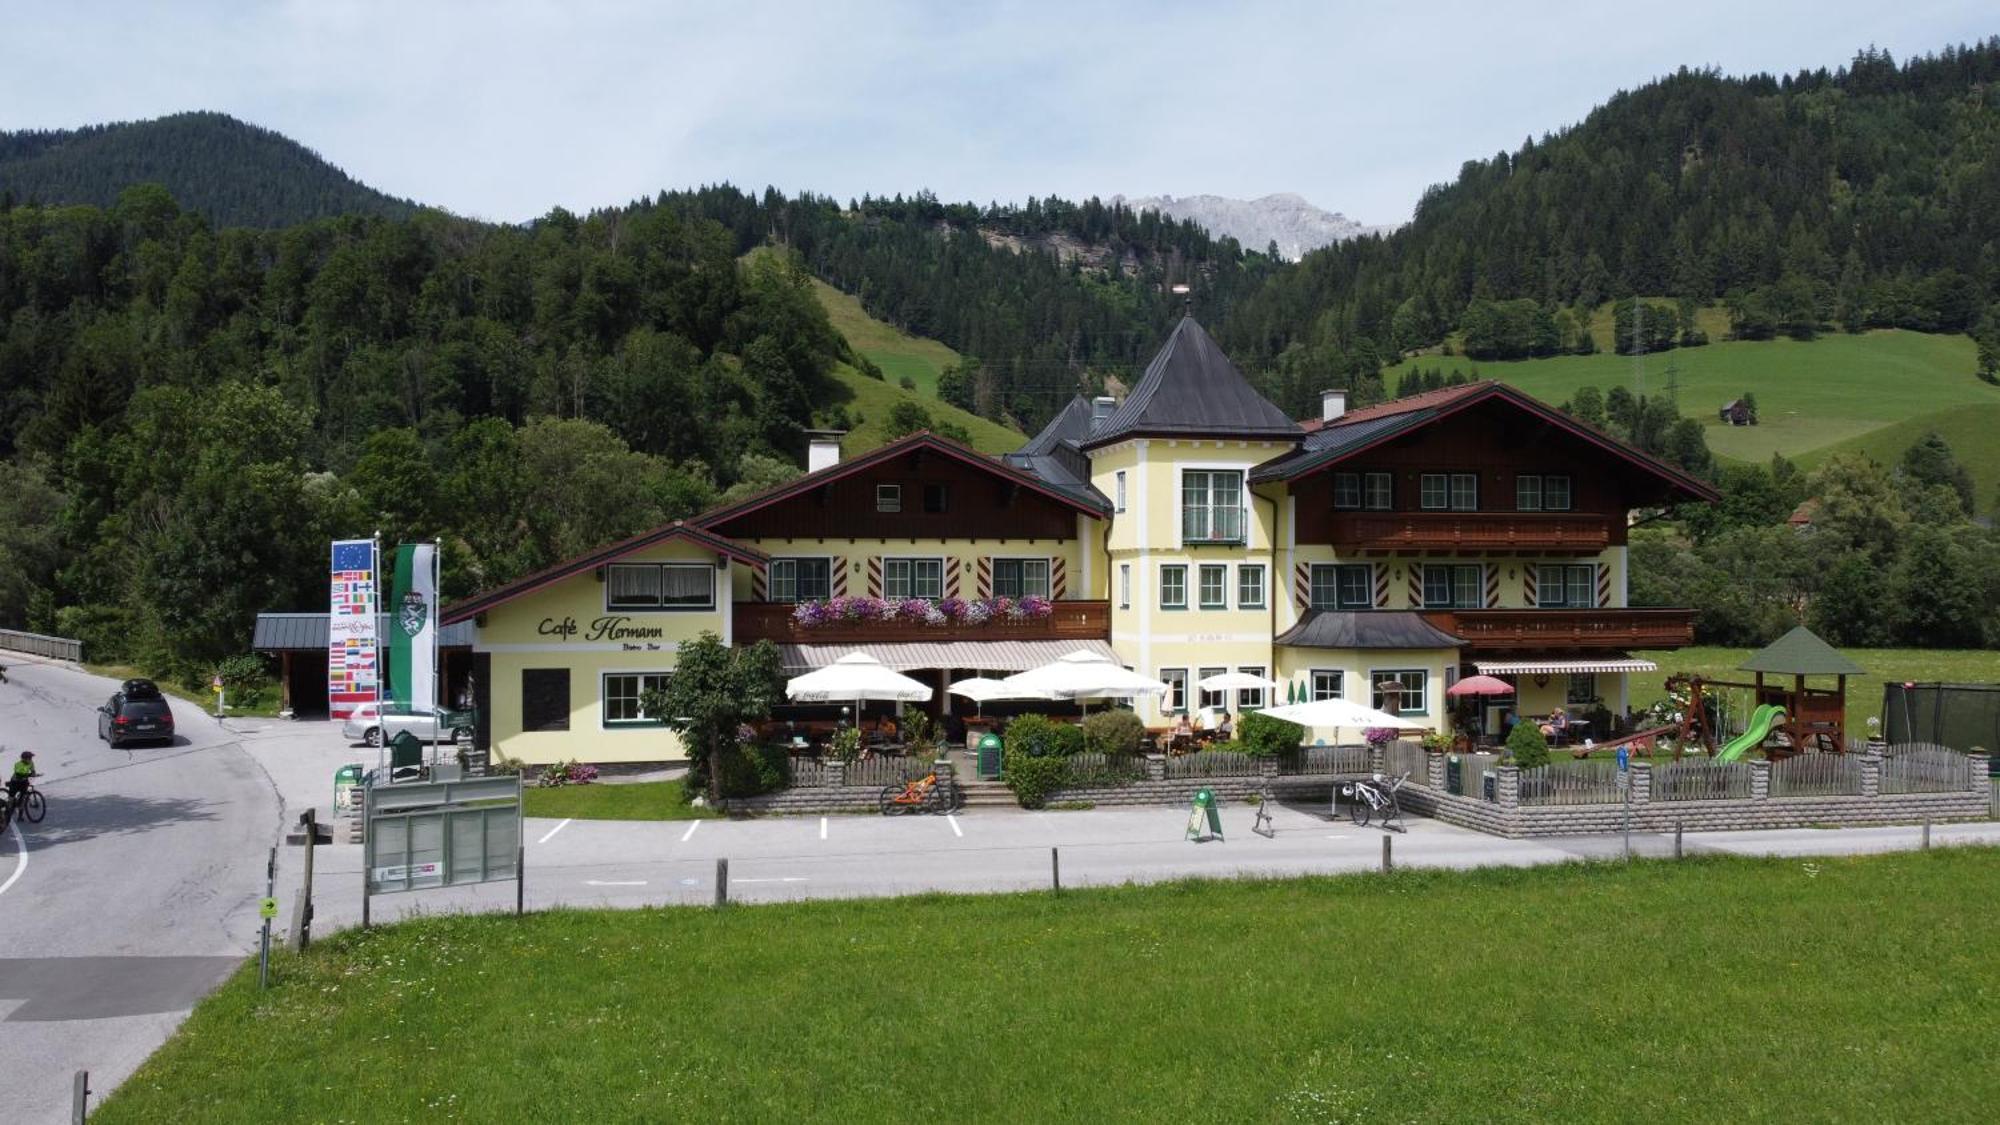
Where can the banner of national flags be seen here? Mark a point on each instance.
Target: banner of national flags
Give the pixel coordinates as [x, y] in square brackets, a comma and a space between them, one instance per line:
[353, 666]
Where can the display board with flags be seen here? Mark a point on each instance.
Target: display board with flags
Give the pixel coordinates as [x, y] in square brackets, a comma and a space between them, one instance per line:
[413, 628]
[353, 662]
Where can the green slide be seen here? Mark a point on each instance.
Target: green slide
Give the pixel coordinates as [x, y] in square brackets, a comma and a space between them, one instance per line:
[1761, 721]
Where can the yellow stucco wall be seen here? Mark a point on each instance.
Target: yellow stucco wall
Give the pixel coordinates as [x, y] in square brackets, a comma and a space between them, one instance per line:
[567, 626]
[1358, 666]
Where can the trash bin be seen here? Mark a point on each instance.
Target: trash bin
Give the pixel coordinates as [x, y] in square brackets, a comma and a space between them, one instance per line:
[406, 757]
[1454, 774]
[1489, 785]
[345, 780]
[989, 755]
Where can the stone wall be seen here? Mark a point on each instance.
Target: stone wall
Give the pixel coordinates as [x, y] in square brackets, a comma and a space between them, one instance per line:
[1508, 817]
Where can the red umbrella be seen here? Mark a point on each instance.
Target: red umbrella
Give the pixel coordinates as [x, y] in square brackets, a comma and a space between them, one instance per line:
[1480, 685]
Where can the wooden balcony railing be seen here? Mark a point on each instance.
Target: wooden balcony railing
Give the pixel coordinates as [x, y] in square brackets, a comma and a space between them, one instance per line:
[1497, 629]
[1476, 531]
[1068, 621]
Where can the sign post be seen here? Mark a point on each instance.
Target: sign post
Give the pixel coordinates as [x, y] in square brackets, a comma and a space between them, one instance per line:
[1625, 792]
[267, 909]
[1204, 822]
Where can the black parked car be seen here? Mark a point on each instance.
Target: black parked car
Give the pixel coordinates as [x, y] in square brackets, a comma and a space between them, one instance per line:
[137, 713]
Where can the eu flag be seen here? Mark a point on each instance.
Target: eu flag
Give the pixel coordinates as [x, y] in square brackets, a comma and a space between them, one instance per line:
[354, 554]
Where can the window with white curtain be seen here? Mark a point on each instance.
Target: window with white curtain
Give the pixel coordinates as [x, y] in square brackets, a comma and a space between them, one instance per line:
[1212, 506]
[659, 586]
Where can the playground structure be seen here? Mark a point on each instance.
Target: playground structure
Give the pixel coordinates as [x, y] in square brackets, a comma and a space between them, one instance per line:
[1803, 718]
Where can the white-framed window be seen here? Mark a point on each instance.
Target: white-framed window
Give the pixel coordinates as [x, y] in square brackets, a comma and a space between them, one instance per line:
[1400, 691]
[1118, 490]
[1326, 683]
[1250, 586]
[1124, 585]
[638, 587]
[1454, 586]
[1215, 700]
[1173, 586]
[913, 578]
[1250, 699]
[1457, 492]
[1566, 586]
[801, 579]
[1342, 586]
[1214, 586]
[1362, 490]
[1541, 493]
[1212, 506]
[1020, 578]
[623, 693]
[888, 497]
[1175, 700]
[1582, 688]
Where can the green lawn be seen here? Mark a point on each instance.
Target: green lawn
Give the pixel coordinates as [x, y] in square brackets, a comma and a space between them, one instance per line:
[895, 351]
[1864, 693]
[1809, 395]
[1710, 990]
[872, 399]
[1972, 431]
[638, 800]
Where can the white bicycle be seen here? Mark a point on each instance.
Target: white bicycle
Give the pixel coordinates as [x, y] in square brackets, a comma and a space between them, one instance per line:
[1367, 799]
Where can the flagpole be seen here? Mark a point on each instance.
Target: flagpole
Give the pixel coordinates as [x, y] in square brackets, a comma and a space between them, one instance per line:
[437, 626]
[375, 638]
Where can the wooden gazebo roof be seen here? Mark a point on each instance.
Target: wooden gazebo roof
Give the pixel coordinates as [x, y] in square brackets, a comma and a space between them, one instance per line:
[1801, 653]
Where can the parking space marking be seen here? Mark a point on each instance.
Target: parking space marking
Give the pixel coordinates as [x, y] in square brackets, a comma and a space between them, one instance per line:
[955, 829]
[21, 864]
[689, 834]
[822, 828]
[552, 832]
[614, 882]
[786, 879]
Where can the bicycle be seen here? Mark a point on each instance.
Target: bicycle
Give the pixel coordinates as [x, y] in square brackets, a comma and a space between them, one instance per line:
[1377, 795]
[926, 794]
[33, 808]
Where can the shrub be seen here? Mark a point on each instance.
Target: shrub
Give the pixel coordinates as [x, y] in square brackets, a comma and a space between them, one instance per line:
[1038, 736]
[752, 768]
[1113, 732]
[1527, 746]
[846, 743]
[567, 773]
[1033, 778]
[1267, 737]
[245, 679]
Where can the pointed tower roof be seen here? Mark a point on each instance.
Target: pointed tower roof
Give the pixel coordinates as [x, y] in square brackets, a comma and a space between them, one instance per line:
[1801, 653]
[1191, 389]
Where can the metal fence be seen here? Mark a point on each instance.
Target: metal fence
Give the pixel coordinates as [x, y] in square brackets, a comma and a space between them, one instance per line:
[1923, 768]
[1090, 768]
[1817, 775]
[885, 769]
[1401, 757]
[1701, 781]
[1320, 760]
[1212, 763]
[1571, 783]
[807, 770]
[36, 644]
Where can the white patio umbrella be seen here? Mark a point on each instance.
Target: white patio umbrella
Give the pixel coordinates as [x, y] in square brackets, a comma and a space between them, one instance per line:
[1235, 681]
[982, 691]
[856, 676]
[1340, 714]
[1085, 674]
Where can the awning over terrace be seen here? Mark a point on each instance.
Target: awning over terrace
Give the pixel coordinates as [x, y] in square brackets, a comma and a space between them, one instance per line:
[1558, 666]
[974, 656]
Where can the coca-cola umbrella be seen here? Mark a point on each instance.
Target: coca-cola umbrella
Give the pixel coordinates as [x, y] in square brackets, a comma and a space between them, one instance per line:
[1480, 685]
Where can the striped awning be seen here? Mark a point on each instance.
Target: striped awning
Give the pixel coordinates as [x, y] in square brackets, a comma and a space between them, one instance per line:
[1562, 666]
[975, 656]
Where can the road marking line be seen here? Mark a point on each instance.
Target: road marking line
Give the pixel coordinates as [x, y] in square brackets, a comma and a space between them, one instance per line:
[1341, 836]
[956, 830]
[822, 828]
[786, 879]
[685, 836]
[553, 831]
[614, 882]
[20, 867]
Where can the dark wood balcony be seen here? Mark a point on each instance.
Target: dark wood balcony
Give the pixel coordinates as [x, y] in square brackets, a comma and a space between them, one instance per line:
[1476, 531]
[1490, 630]
[1068, 621]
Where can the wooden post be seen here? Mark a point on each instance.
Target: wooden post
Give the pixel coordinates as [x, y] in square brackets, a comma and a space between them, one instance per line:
[1387, 863]
[721, 882]
[1055, 870]
[1677, 839]
[1927, 833]
[285, 680]
[79, 1097]
[520, 879]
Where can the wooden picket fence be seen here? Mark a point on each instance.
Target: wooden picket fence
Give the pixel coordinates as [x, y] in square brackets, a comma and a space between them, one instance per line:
[1816, 775]
[1212, 763]
[1571, 783]
[1925, 768]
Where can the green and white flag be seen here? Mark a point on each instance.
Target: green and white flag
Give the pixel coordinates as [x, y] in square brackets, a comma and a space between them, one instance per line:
[413, 627]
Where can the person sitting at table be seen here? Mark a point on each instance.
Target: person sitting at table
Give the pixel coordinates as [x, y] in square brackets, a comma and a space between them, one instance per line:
[1183, 728]
[1557, 723]
[1225, 728]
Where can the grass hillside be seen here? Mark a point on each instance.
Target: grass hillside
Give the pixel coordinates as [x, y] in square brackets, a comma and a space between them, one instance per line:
[1866, 389]
[895, 351]
[1972, 431]
[873, 399]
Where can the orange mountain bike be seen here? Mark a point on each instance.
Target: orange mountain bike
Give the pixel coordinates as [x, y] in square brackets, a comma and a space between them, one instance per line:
[928, 794]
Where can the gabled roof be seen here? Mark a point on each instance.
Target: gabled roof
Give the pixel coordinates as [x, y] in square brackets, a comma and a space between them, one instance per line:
[1801, 653]
[1370, 426]
[1192, 388]
[679, 529]
[1070, 426]
[1365, 628]
[922, 439]
[1056, 456]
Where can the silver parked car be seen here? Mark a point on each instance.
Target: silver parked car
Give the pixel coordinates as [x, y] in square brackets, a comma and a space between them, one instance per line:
[364, 724]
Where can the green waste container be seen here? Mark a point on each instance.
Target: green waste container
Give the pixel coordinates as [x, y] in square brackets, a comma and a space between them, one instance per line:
[1454, 775]
[989, 755]
[345, 780]
[406, 757]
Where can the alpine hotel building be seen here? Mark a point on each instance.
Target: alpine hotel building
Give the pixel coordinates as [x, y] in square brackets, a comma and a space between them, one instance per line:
[1376, 554]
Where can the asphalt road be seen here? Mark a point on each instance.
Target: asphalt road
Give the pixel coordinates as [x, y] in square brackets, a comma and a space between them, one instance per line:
[134, 897]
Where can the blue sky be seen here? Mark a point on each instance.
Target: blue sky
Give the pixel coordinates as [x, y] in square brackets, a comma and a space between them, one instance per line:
[506, 108]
